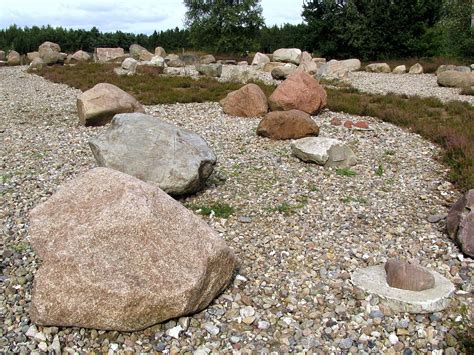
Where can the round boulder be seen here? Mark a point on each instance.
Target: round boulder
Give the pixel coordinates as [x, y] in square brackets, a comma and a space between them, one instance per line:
[50, 52]
[300, 91]
[291, 124]
[248, 101]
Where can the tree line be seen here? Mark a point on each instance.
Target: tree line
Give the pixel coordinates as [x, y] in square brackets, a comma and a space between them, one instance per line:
[366, 29]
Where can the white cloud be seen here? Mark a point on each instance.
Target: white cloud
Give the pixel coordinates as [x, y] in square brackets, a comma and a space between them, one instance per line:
[143, 16]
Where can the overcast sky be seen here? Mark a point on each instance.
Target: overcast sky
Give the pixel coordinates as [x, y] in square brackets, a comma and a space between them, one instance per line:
[143, 16]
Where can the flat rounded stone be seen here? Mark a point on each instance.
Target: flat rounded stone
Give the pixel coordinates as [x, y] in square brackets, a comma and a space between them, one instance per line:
[373, 280]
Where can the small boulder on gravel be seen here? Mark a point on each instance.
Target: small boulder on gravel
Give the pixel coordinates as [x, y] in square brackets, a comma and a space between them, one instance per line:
[299, 92]
[282, 72]
[407, 276]
[287, 55]
[324, 151]
[378, 68]
[416, 69]
[98, 105]
[291, 124]
[120, 254]
[50, 52]
[460, 222]
[452, 78]
[209, 70]
[207, 59]
[13, 58]
[401, 69]
[176, 160]
[260, 59]
[248, 101]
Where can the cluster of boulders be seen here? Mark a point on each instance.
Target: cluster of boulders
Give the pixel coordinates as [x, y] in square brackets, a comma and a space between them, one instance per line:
[291, 105]
[400, 69]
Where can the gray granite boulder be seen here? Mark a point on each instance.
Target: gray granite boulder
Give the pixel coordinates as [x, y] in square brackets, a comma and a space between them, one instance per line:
[460, 222]
[324, 151]
[210, 70]
[175, 159]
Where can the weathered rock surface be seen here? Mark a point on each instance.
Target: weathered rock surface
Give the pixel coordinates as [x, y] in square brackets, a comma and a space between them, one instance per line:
[260, 59]
[98, 105]
[81, 57]
[460, 222]
[144, 258]
[128, 67]
[248, 101]
[416, 69]
[160, 51]
[299, 92]
[31, 56]
[207, 59]
[400, 69]
[378, 68]
[407, 276]
[13, 58]
[460, 68]
[334, 70]
[282, 72]
[452, 78]
[210, 70]
[291, 124]
[287, 55]
[175, 159]
[50, 52]
[324, 151]
[37, 64]
[140, 53]
[268, 67]
[103, 55]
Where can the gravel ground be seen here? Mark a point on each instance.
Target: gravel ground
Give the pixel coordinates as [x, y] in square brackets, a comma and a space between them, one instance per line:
[299, 231]
[424, 85]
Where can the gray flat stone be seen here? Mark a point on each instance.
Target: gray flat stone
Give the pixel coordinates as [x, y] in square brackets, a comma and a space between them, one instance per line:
[373, 280]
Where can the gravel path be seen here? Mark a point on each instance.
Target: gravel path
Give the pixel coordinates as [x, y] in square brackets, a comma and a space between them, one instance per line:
[299, 231]
[424, 85]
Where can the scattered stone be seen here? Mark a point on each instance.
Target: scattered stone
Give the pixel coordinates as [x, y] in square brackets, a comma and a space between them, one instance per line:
[416, 69]
[174, 332]
[336, 121]
[407, 276]
[460, 222]
[287, 55]
[291, 124]
[104, 55]
[436, 218]
[361, 125]
[98, 105]
[13, 58]
[378, 68]
[209, 70]
[160, 52]
[212, 328]
[176, 160]
[144, 257]
[282, 72]
[260, 59]
[323, 151]
[49, 52]
[373, 280]
[208, 59]
[248, 101]
[401, 69]
[299, 92]
[451, 78]
[460, 68]
[81, 57]
[348, 124]
[346, 343]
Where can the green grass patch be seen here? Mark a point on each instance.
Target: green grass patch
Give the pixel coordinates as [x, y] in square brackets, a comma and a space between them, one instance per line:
[150, 88]
[221, 210]
[345, 172]
[380, 170]
[450, 125]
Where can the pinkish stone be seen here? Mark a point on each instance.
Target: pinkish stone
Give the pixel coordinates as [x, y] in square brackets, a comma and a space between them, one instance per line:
[361, 124]
[348, 124]
[336, 121]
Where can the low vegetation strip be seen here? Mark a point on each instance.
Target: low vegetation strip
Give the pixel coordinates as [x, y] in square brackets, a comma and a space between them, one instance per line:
[451, 125]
